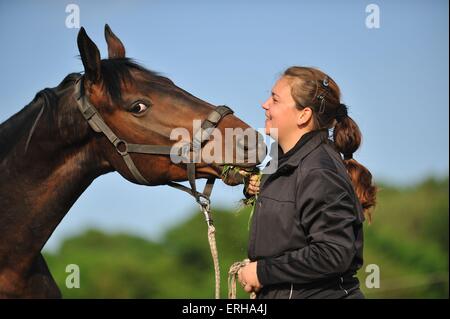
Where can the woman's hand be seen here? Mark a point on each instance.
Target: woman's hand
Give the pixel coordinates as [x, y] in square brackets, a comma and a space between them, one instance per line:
[253, 185]
[248, 278]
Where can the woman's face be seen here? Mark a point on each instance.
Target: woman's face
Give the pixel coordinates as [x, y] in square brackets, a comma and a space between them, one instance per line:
[281, 113]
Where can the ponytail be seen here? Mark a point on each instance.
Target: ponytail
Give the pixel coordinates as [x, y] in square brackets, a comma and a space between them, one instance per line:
[347, 139]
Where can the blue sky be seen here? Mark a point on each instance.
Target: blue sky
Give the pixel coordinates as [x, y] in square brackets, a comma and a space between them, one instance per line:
[394, 79]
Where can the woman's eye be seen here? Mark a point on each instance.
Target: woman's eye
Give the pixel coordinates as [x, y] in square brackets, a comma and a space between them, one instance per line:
[139, 108]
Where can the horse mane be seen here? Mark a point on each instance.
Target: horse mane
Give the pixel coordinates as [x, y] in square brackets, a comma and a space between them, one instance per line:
[20, 123]
[116, 71]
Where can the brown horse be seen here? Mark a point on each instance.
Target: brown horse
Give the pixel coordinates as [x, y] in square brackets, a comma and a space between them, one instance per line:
[49, 153]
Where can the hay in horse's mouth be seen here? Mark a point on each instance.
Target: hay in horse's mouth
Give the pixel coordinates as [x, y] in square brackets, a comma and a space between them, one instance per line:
[235, 175]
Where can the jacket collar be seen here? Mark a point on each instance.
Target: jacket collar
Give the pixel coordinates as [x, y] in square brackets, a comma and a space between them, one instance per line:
[295, 159]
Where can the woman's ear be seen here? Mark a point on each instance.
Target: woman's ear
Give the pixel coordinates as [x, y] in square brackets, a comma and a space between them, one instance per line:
[304, 116]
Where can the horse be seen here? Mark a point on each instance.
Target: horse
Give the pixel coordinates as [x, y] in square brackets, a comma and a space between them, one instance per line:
[52, 150]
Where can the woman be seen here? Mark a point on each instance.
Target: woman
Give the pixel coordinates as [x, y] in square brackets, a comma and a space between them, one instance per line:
[306, 236]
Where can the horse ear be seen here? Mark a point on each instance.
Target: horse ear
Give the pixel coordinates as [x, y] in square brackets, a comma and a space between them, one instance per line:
[90, 56]
[115, 46]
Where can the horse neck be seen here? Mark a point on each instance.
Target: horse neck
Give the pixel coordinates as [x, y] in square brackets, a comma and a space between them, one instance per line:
[38, 187]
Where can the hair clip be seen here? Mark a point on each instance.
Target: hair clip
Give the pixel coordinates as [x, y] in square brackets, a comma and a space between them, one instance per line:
[325, 82]
[321, 98]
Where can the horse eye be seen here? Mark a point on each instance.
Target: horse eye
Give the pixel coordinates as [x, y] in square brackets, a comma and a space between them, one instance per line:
[138, 108]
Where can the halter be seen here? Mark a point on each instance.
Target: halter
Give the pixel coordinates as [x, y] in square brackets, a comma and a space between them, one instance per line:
[95, 120]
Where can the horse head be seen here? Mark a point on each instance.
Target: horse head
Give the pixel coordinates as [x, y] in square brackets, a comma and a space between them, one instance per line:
[145, 109]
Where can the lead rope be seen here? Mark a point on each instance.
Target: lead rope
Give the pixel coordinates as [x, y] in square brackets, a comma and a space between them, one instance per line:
[232, 277]
[205, 206]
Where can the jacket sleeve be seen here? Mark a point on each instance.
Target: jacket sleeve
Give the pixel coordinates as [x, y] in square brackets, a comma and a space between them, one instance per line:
[327, 213]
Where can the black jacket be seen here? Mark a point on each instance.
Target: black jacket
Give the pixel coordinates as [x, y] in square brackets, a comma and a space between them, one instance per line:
[307, 225]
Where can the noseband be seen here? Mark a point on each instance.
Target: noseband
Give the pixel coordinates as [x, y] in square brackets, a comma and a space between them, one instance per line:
[124, 148]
